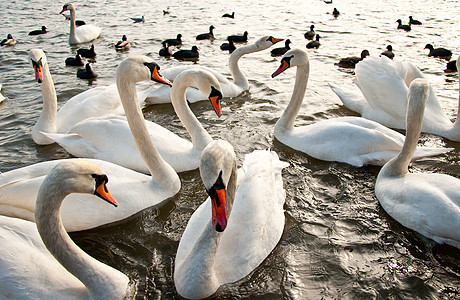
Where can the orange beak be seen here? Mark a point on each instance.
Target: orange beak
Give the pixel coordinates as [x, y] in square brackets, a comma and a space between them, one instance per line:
[156, 76]
[103, 192]
[215, 96]
[284, 65]
[38, 68]
[276, 40]
[219, 211]
[63, 10]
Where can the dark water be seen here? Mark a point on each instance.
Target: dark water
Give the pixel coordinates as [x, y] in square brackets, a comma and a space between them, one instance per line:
[338, 242]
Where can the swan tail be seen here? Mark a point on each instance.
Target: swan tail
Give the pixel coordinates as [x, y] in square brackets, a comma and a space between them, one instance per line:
[422, 152]
[73, 143]
[353, 100]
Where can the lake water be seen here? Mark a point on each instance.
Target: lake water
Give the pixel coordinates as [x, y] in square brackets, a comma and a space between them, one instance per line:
[338, 242]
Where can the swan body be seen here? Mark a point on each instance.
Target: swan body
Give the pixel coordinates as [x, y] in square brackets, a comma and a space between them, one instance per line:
[135, 191]
[426, 203]
[109, 138]
[229, 88]
[47, 264]
[223, 247]
[353, 140]
[382, 97]
[81, 34]
[1, 95]
[98, 101]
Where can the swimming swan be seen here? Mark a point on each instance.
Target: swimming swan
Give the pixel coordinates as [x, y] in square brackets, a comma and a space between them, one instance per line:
[98, 101]
[234, 230]
[109, 138]
[134, 191]
[353, 140]
[80, 34]
[383, 86]
[47, 264]
[428, 203]
[230, 89]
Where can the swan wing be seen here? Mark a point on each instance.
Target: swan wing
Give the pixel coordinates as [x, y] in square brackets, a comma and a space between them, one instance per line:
[87, 33]
[28, 268]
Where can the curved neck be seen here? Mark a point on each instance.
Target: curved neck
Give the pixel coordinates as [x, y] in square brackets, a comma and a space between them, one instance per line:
[238, 77]
[162, 173]
[400, 163]
[102, 281]
[47, 120]
[286, 122]
[200, 137]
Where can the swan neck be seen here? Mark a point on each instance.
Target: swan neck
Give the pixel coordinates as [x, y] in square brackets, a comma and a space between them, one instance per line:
[399, 165]
[100, 280]
[238, 77]
[162, 173]
[200, 137]
[73, 27]
[47, 120]
[231, 190]
[286, 122]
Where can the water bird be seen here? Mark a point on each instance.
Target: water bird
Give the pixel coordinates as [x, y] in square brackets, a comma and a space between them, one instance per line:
[382, 97]
[230, 46]
[138, 20]
[123, 45]
[1, 94]
[166, 11]
[367, 142]
[206, 36]
[186, 54]
[350, 62]
[309, 35]
[144, 190]
[232, 15]
[315, 43]
[80, 34]
[451, 66]
[38, 31]
[403, 26]
[182, 155]
[95, 102]
[87, 72]
[239, 38]
[165, 51]
[77, 22]
[335, 12]
[74, 61]
[240, 222]
[328, 1]
[438, 52]
[281, 50]
[230, 88]
[41, 260]
[389, 52]
[88, 53]
[174, 42]
[9, 41]
[414, 22]
[428, 203]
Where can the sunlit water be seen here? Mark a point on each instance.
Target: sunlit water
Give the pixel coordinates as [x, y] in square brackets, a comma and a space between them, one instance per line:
[338, 242]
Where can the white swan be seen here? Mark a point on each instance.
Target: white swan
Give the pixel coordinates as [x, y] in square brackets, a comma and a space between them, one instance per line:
[230, 89]
[382, 97]
[80, 34]
[99, 101]
[109, 138]
[214, 251]
[1, 95]
[353, 140]
[134, 191]
[428, 203]
[47, 264]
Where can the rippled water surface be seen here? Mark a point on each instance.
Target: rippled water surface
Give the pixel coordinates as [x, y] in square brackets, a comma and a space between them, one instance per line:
[338, 242]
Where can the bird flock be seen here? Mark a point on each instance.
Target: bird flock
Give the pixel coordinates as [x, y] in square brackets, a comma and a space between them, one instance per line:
[133, 164]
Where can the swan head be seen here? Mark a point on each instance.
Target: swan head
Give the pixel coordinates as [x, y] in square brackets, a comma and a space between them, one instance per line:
[266, 42]
[206, 82]
[217, 162]
[38, 59]
[66, 7]
[292, 58]
[139, 68]
[78, 176]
